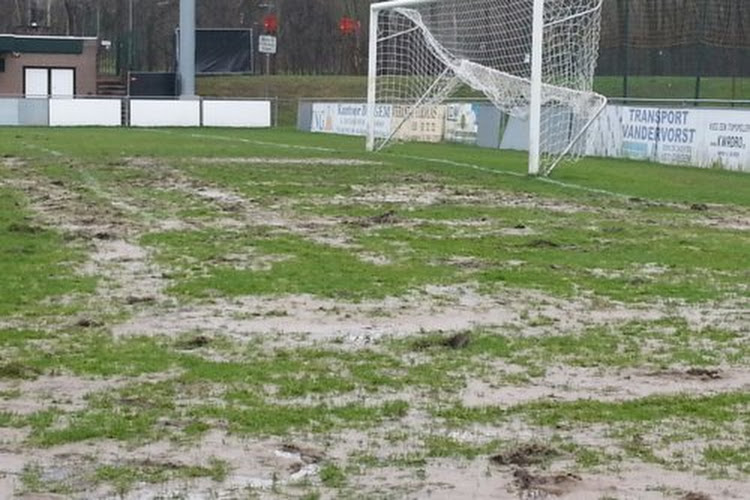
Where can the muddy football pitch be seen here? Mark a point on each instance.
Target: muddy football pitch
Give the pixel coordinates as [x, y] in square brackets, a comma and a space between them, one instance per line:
[272, 314]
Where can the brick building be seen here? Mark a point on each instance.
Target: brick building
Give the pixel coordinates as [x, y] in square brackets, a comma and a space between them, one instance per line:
[38, 66]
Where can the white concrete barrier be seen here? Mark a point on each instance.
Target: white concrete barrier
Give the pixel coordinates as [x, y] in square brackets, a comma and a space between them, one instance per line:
[165, 113]
[85, 112]
[9, 113]
[236, 113]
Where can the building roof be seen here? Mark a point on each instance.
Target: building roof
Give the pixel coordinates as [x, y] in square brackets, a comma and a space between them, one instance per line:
[42, 44]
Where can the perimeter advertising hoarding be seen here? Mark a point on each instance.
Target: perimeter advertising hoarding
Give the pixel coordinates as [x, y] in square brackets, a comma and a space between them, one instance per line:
[426, 124]
[674, 136]
[462, 123]
[429, 124]
[728, 139]
[718, 138]
[349, 118]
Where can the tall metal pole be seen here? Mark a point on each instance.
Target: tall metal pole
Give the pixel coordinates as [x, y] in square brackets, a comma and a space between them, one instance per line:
[187, 49]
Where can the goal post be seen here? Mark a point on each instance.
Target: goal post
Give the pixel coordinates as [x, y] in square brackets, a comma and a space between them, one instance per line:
[533, 59]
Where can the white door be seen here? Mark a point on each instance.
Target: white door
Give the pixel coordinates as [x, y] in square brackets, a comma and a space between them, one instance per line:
[36, 82]
[63, 83]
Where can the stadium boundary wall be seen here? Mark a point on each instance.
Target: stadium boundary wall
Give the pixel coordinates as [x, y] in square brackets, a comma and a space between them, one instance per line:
[59, 112]
[689, 136]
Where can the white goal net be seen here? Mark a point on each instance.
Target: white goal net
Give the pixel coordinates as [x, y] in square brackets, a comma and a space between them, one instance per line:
[425, 51]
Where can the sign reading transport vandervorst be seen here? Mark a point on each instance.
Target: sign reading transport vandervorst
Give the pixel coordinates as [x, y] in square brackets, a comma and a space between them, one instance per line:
[691, 137]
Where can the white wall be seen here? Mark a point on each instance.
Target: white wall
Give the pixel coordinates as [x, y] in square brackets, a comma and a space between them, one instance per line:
[85, 112]
[236, 113]
[165, 113]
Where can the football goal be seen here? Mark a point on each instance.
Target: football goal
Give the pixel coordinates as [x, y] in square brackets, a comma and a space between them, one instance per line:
[533, 59]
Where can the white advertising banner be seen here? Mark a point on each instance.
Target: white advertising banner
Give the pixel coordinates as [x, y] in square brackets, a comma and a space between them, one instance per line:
[676, 136]
[85, 112]
[728, 139]
[462, 123]
[349, 118]
[426, 124]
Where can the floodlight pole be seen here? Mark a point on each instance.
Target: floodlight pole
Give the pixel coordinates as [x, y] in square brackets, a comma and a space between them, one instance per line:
[535, 113]
[187, 49]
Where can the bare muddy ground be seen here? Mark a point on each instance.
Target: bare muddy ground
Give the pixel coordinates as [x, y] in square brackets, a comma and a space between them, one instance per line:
[384, 461]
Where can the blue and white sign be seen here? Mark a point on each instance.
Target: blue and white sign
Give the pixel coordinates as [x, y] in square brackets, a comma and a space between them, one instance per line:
[728, 139]
[462, 123]
[349, 118]
[677, 136]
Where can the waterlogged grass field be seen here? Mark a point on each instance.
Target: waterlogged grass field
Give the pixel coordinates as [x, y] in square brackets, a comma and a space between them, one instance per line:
[271, 314]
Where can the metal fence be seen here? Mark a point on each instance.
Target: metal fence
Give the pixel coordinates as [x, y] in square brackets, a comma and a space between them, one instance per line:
[676, 48]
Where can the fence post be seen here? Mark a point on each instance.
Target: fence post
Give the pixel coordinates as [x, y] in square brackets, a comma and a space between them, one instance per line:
[625, 47]
[701, 40]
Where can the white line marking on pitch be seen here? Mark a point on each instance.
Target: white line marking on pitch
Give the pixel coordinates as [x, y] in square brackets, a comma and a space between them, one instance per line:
[422, 158]
[516, 174]
[49, 151]
[248, 141]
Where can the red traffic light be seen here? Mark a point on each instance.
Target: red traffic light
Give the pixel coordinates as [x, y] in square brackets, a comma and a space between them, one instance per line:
[349, 26]
[270, 23]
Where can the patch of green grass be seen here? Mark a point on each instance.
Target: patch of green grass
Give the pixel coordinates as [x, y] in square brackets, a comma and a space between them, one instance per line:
[304, 267]
[625, 177]
[724, 408]
[31, 478]
[7, 419]
[663, 344]
[644, 180]
[332, 475]
[37, 265]
[8, 394]
[15, 369]
[35, 479]
[565, 253]
[124, 477]
[125, 424]
[12, 338]
[726, 458]
[718, 409]
[588, 458]
[573, 253]
[260, 418]
[160, 203]
[248, 388]
[98, 354]
[568, 254]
